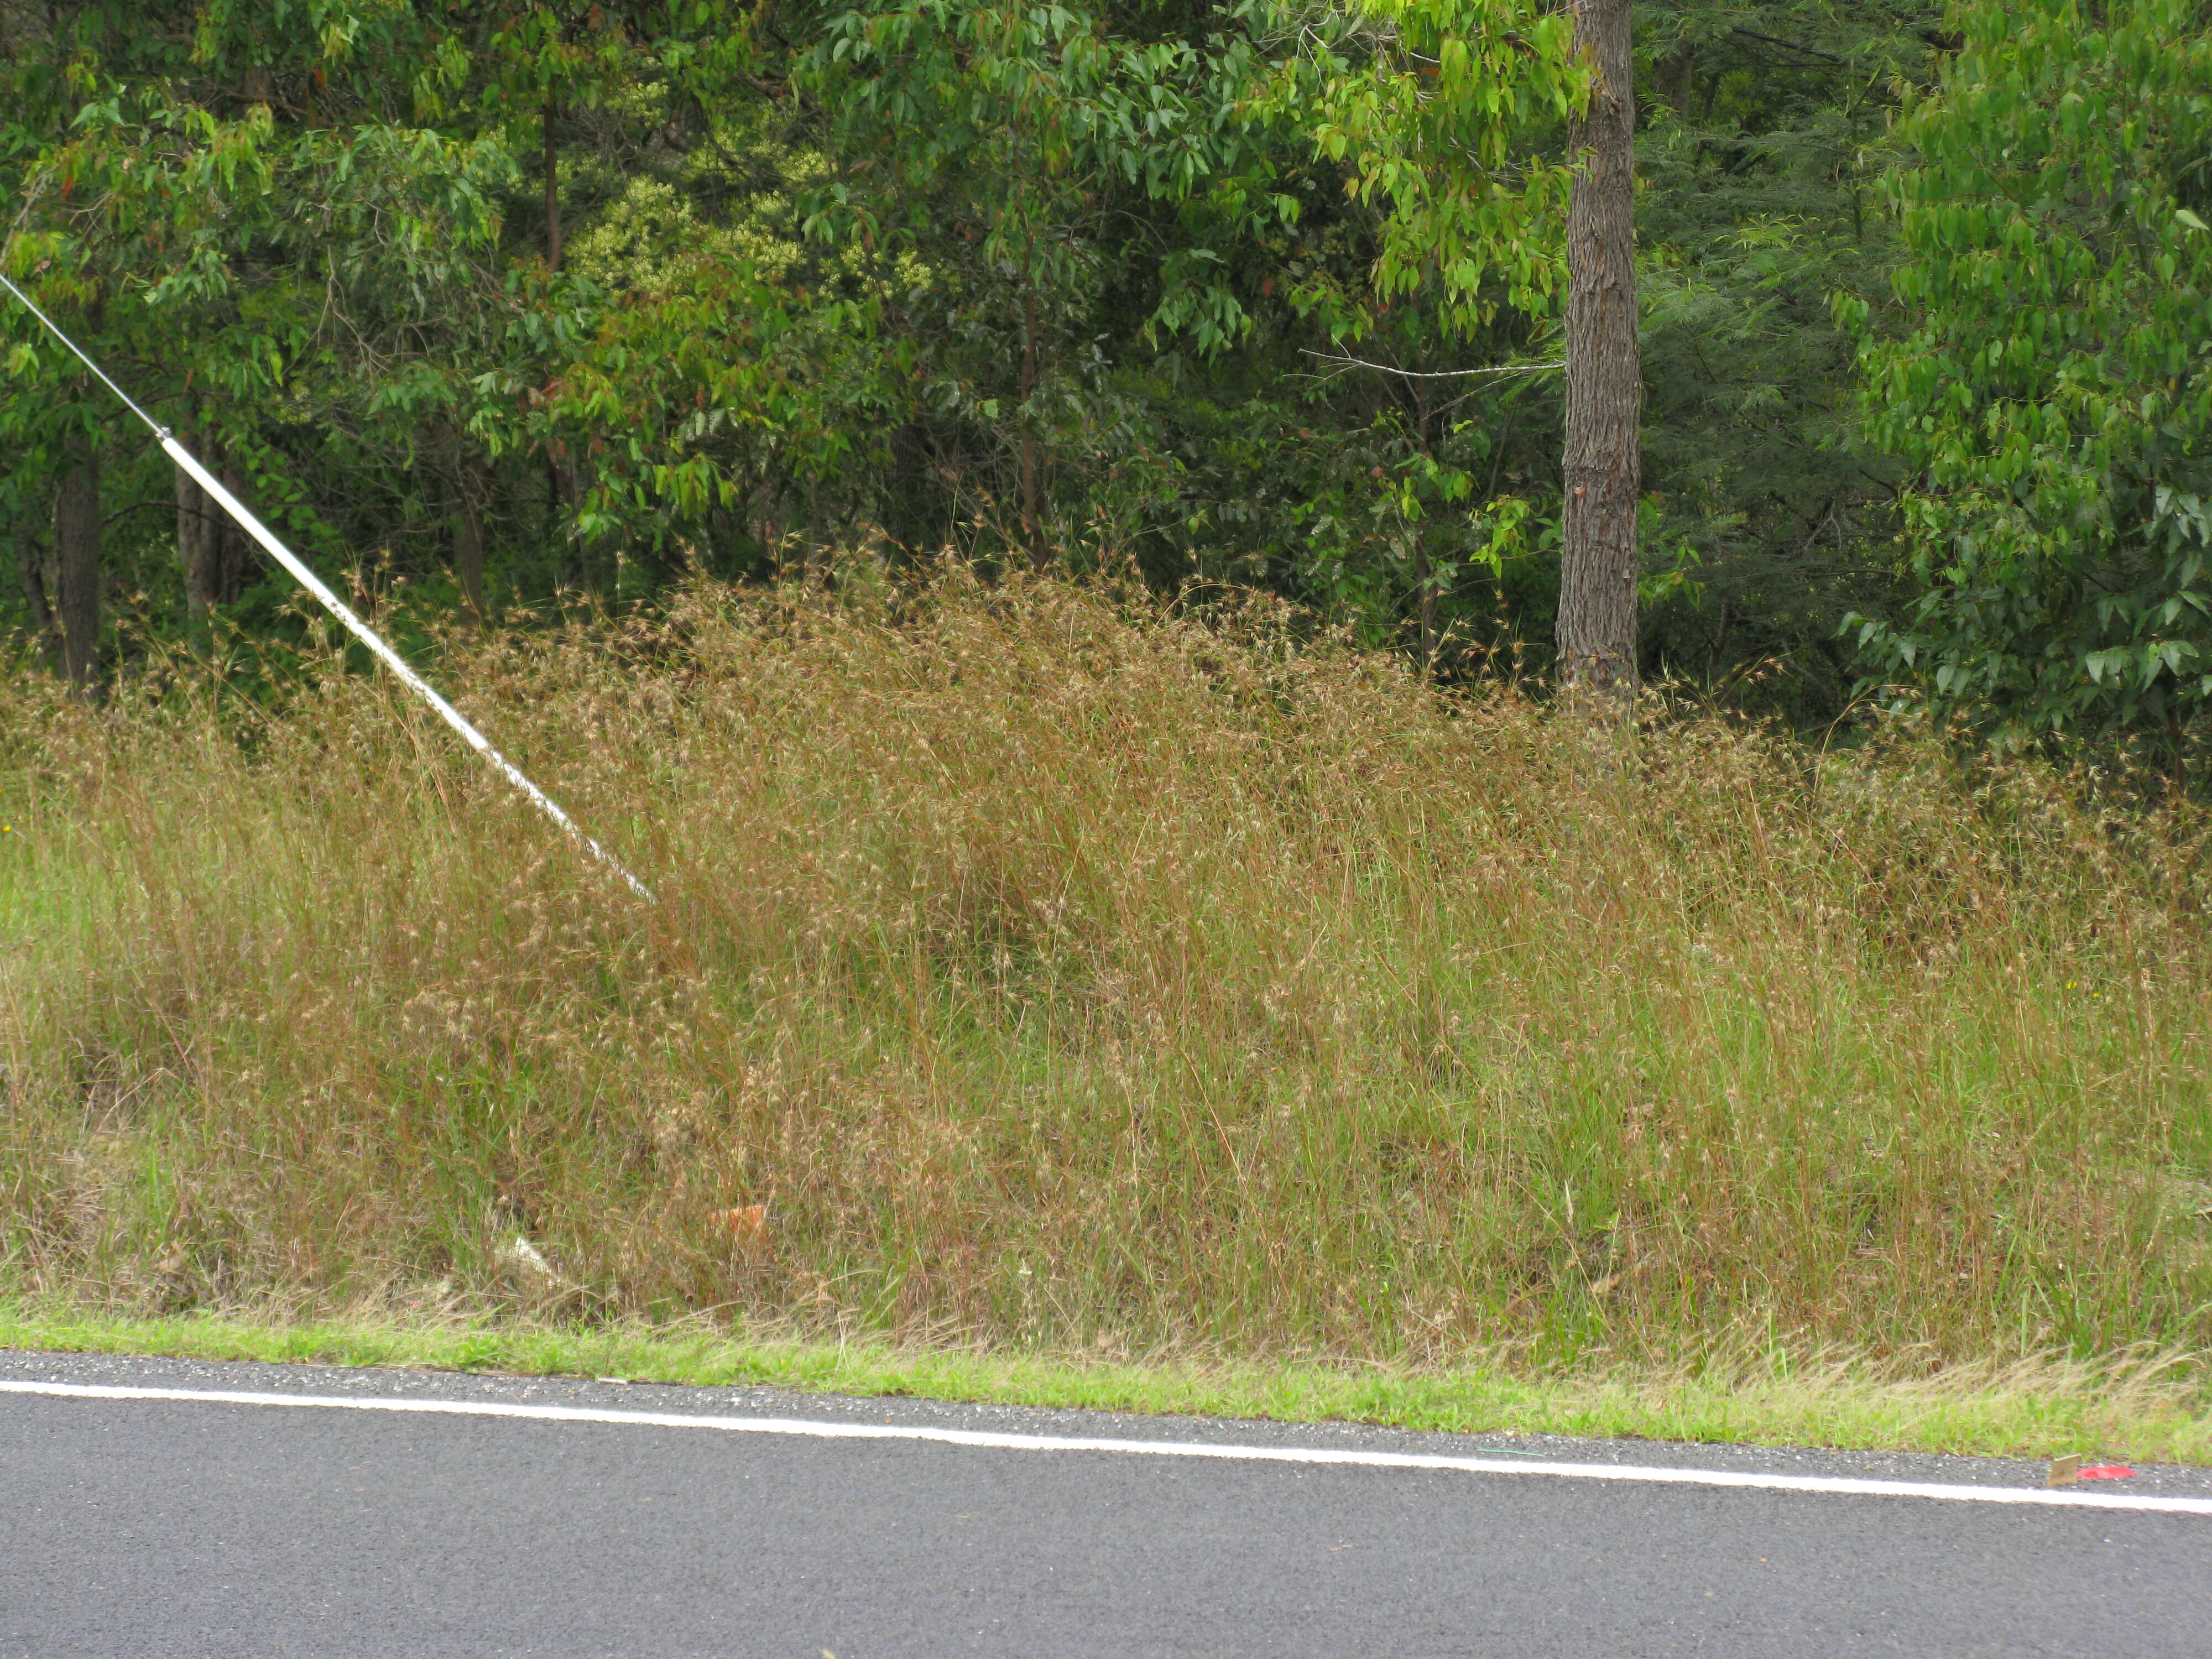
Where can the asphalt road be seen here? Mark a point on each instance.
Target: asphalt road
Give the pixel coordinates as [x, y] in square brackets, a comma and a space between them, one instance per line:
[157, 1527]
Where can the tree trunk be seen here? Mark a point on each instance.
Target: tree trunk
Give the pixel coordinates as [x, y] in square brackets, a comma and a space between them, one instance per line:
[1604, 381]
[563, 483]
[234, 547]
[1424, 578]
[216, 552]
[1031, 532]
[77, 561]
[470, 489]
[552, 184]
[1425, 588]
[199, 543]
[563, 488]
[30, 565]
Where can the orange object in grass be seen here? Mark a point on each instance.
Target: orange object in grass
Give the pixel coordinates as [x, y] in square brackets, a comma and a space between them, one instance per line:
[747, 1224]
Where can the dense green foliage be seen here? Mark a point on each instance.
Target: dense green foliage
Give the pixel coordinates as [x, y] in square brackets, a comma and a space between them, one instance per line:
[586, 296]
[2053, 394]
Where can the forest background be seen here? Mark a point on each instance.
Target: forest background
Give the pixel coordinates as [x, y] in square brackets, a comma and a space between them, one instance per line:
[500, 307]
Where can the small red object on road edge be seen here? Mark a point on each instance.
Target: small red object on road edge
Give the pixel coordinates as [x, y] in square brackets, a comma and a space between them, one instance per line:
[2107, 1471]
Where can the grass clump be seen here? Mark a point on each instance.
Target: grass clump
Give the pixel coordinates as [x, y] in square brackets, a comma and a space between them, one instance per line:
[1065, 974]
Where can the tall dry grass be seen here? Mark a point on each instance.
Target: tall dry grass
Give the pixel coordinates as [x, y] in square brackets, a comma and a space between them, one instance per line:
[1055, 969]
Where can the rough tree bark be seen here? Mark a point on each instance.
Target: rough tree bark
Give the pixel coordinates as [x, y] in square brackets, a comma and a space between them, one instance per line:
[77, 561]
[1604, 381]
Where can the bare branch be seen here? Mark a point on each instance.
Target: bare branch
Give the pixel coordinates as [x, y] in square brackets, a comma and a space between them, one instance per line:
[1777, 41]
[1434, 373]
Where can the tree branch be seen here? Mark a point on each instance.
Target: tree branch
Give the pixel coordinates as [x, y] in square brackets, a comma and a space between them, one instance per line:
[1777, 41]
[1433, 374]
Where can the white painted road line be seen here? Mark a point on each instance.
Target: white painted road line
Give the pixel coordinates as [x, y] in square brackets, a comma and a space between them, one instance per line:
[2061, 1498]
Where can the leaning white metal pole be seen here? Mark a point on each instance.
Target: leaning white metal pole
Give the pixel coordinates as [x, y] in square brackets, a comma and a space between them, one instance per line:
[338, 608]
[414, 682]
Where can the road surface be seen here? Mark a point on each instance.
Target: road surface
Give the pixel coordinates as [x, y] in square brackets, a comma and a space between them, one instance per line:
[147, 1525]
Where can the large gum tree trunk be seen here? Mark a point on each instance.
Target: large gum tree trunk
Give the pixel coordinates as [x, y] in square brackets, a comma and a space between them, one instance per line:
[1604, 381]
[77, 561]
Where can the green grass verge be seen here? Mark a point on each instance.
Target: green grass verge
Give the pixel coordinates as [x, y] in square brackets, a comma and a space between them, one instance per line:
[2139, 1408]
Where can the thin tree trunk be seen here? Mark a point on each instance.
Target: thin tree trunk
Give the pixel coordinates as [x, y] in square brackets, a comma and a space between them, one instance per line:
[1604, 382]
[1030, 532]
[30, 565]
[1424, 578]
[470, 489]
[234, 547]
[552, 184]
[199, 545]
[216, 552]
[77, 561]
[565, 486]
[1424, 584]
